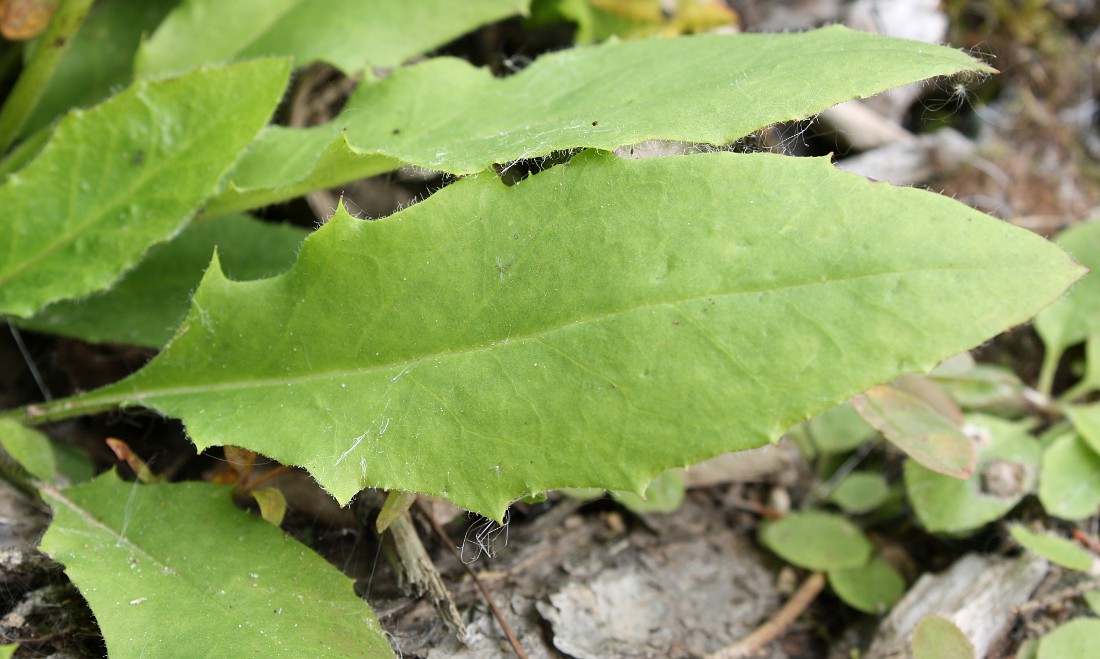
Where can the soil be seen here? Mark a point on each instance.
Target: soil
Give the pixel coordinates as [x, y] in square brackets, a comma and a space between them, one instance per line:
[590, 578]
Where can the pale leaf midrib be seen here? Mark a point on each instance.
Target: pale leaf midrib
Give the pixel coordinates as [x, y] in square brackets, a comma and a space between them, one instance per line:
[138, 396]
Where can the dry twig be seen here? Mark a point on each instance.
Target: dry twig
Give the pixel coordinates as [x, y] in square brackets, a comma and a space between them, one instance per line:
[504, 626]
[772, 628]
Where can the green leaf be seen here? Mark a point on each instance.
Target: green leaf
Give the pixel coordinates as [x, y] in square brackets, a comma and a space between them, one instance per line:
[860, 492]
[43, 459]
[1090, 379]
[1007, 463]
[597, 21]
[147, 304]
[345, 33]
[1086, 420]
[285, 163]
[1073, 318]
[446, 114]
[1069, 480]
[816, 541]
[938, 638]
[838, 430]
[915, 427]
[1029, 649]
[397, 504]
[1092, 598]
[122, 176]
[591, 326]
[30, 448]
[871, 588]
[1054, 549]
[73, 465]
[177, 570]
[100, 58]
[985, 388]
[1076, 638]
[21, 100]
[23, 153]
[663, 495]
[272, 504]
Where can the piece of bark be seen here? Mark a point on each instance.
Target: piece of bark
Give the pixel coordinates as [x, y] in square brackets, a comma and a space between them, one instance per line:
[977, 593]
[676, 600]
[688, 559]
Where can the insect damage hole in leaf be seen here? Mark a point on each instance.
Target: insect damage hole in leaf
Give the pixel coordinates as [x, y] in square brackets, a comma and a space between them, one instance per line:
[670, 322]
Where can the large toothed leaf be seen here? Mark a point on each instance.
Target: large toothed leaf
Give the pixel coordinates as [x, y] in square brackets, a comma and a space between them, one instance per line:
[123, 176]
[178, 571]
[446, 114]
[589, 327]
[148, 303]
[348, 34]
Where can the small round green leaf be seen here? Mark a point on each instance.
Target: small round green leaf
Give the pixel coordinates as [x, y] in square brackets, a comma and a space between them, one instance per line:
[1086, 419]
[939, 638]
[860, 492]
[1029, 649]
[1092, 598]
[817, 541]
[1069, 478]
[1076, 638]
[1054, 549]
[1006, 471]
[1073, 317]
[838, 429]
[664, 494]
[872, 588]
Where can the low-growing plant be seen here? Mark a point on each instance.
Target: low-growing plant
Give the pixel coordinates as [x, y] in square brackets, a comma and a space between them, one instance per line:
[979, 441]
[592, 325]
